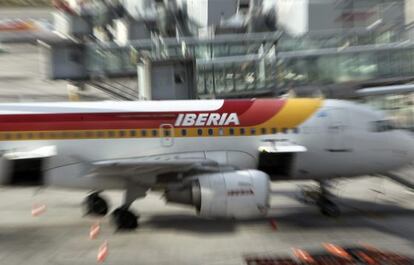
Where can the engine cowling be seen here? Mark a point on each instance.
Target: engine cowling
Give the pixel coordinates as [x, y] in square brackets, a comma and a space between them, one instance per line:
[235, 194]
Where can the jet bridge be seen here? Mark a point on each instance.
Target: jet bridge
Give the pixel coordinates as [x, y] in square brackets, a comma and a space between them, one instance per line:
[237, 65]
[227, 63]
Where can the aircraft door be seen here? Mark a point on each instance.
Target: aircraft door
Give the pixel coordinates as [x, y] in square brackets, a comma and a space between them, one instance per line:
[338, 131]
[167, 135]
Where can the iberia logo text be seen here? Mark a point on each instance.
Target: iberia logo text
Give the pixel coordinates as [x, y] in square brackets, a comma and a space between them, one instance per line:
[207, 119]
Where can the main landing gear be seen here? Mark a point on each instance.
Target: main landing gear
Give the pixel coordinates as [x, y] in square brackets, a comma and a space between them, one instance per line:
[94, 204]
[122, 217]
[321, 197]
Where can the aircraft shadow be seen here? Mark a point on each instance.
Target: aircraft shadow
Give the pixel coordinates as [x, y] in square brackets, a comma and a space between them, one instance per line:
[189, 223]
[355, 214]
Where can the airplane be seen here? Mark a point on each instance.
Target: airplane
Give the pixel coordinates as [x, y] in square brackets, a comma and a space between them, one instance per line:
[219, 156]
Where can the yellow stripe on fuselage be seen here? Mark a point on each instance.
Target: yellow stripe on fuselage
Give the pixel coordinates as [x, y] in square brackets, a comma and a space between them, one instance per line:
[294, 113]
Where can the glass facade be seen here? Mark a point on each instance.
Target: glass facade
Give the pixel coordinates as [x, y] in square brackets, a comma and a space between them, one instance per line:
[226, 78]
[332, 67]
[399, 107]
[266, 62]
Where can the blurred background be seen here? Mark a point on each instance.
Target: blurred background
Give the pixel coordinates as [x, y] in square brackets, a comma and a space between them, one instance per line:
[178, 49]
[126, 50]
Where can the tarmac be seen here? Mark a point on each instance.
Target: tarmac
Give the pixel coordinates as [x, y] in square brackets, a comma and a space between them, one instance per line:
[376, 212]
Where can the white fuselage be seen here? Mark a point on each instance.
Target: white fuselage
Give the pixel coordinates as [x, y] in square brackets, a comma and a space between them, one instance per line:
[339, 137]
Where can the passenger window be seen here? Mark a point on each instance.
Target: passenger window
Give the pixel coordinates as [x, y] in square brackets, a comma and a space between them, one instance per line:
[144, 133]
[242, 131]
[285, 130]
[200, 132]
[274, 131]
[252, 131]
[231, 131]
[183, 132]
[122, 133]
[221, 131]
[210, 132]
[167, 133]
[263, 131]
[132, 133]
[154, 132]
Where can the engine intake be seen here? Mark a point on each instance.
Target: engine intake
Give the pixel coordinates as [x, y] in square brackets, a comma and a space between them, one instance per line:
[235, 194]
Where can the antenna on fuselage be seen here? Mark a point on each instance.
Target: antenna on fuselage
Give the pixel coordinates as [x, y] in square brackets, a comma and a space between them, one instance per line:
[318, 94]
[289, 94]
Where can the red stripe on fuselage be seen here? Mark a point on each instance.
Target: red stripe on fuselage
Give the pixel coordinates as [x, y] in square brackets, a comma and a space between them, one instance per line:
[261, 111]
[250, 112]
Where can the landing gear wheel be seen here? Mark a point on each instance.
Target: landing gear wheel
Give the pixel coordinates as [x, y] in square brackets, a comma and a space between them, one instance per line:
[124, 219]
[328, 208]
[95, 205]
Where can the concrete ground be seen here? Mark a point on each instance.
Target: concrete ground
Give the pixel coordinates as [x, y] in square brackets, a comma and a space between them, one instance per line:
[375, 211]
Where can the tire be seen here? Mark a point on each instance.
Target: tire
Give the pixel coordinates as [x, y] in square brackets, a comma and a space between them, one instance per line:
[95, 205]
[124, 219]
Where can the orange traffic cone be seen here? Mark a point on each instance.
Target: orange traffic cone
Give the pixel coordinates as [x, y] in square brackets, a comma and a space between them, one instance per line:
[38, 209]
[94, 231]
[102, 252]
[366, 258]
[303, 256]
[337, 251]
[273, 224]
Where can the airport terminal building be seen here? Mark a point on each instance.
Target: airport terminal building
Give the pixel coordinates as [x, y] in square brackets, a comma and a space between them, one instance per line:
[240, 48]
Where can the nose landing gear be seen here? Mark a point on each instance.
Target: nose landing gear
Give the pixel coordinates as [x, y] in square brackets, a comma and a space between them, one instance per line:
[328, 208]
[321, 197]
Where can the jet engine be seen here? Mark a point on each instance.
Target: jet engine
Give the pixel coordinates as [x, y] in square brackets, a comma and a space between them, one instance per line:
[234, 194]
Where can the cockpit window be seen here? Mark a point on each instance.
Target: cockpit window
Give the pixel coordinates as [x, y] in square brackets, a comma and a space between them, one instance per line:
[382, 126]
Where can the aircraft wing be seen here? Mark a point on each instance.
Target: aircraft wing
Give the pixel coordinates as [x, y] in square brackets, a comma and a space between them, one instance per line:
[149, 166]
